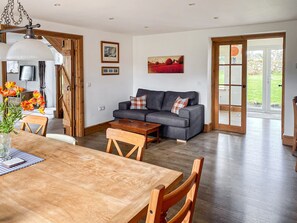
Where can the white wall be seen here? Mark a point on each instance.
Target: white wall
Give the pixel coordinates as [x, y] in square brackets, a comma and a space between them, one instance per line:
[196, 47]
[105, 90]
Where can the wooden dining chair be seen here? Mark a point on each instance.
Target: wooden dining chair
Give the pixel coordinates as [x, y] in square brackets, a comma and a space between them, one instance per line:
[160, 203]
[295, 125]
[115, 135]
[29, 120]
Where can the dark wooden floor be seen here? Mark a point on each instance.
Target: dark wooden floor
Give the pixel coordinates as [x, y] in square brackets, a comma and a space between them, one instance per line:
[246, 178]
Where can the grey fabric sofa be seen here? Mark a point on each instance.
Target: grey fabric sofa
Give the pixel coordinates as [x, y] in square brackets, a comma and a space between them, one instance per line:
[184, 126]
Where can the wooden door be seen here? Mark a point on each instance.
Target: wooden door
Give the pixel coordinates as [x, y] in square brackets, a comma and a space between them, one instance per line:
[67, 83]
[230, 85]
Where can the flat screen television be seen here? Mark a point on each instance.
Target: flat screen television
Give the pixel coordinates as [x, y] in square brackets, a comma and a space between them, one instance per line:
[27, 73]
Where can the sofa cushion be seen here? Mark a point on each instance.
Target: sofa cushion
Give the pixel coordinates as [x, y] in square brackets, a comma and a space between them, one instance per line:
[179, 104]
[154, 99]
[171, 96]
[132, 114]
[138, 103]
[167, 118]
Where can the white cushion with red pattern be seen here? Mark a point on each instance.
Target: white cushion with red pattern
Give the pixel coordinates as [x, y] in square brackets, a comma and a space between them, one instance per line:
[179, 104]
[138, 103]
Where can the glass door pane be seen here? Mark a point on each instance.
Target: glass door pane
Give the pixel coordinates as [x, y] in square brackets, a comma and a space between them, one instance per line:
[276, 79]
[224, 110]
[255, 73]
[236, 102]
[236, 54]
[224, 57]
[224, 74]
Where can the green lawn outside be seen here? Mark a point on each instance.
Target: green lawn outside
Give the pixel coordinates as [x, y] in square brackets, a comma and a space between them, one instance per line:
[254, 88]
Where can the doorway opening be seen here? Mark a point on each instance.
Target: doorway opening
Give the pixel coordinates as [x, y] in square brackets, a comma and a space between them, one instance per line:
[42, 78]
[70, 46]
[247, 80]
[264, 78]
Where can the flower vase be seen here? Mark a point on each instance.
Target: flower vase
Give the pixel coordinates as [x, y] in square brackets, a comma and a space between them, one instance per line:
[5, 142]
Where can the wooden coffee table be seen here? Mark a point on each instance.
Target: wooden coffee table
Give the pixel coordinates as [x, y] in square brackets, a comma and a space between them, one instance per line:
[140, 127]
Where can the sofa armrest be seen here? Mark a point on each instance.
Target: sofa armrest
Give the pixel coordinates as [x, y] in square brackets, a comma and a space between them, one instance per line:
[125, 105]
[192, 112]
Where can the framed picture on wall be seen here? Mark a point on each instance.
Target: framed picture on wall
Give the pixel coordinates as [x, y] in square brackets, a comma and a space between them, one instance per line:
[110, 70]
[166, 64]
[110, 52]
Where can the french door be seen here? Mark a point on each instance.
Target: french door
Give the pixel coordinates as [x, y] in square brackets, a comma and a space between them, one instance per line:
[265, 79]
[230, 68]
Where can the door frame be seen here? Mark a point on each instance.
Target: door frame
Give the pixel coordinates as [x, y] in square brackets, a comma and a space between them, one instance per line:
[248, 37]
[78, 108]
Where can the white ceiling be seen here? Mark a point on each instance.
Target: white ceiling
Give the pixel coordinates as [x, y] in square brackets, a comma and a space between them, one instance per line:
[161, 16]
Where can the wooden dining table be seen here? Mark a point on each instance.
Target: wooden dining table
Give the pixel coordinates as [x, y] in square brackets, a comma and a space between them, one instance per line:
[78, 184]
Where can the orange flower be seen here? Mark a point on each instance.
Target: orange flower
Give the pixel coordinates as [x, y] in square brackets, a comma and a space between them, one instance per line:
[36, 94]
[40, 101]
[19, 89]
[33, 101]
[9, 93]
[27, 106]
[41, 109]
[10, 84]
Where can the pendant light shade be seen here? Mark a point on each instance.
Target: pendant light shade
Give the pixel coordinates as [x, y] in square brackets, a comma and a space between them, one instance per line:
[30, 50]
[3, 51]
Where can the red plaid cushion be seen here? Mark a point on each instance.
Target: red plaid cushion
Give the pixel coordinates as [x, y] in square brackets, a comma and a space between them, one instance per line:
[138, 102]
[178, 104]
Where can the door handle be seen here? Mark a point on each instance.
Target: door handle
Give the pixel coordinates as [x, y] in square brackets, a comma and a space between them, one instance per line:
[280, 85]
[68, 88]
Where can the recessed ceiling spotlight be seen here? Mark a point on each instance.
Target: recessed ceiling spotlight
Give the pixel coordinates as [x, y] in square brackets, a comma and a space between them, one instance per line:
[111, 18]
[146, 27]
[192, 4]
[215, 17]
[57, 5]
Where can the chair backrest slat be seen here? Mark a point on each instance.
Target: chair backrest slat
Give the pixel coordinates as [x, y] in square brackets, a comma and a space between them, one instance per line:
[183, 214]
[35, 120]
[115, 135]
[178, 194]
[160, 203]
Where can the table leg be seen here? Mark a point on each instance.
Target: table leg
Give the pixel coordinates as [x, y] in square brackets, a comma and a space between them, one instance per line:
[158, 136]
[145, 140]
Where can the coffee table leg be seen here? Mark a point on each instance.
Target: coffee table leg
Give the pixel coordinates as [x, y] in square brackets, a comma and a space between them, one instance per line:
[145, 140]
[158, 136]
